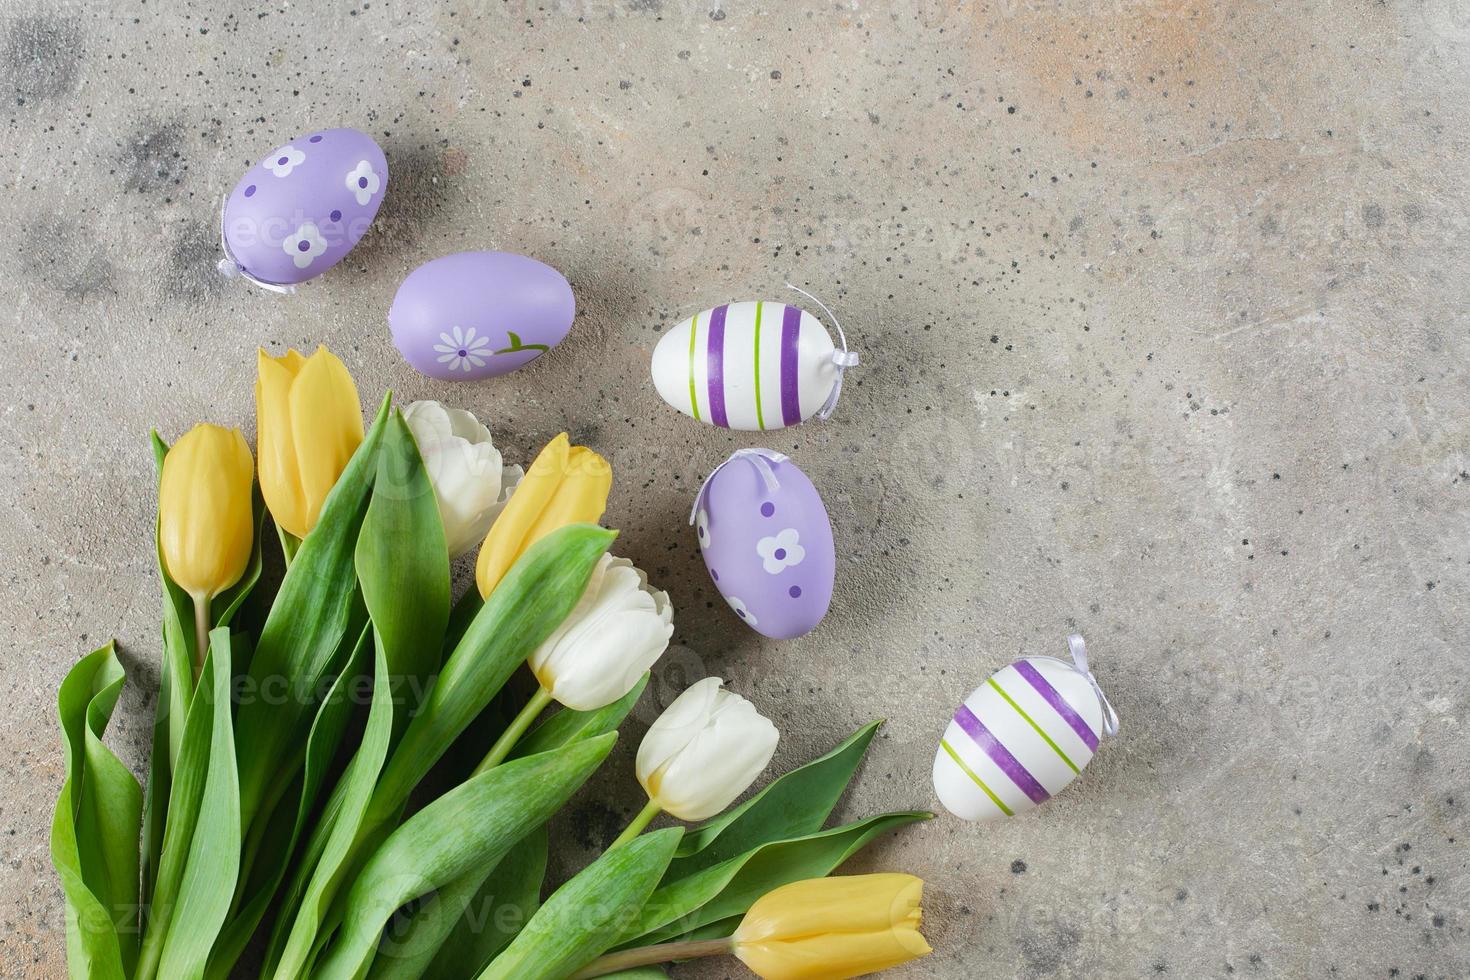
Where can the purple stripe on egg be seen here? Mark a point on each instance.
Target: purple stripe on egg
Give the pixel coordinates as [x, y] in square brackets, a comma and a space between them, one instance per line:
[790, 392]
[716, 367]
[1000, 755]
[1053, 698]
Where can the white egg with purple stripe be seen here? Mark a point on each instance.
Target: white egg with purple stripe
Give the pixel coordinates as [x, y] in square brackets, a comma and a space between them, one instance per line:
[1022, 737]
[751, 366]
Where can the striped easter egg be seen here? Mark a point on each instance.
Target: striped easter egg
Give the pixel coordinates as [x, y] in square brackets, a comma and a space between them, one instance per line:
[749, 366]
[1019, 739]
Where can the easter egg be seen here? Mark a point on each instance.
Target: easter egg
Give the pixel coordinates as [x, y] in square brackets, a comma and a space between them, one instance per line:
[767, 542]
[300, 210]
[475, 315]
[750, 366]
[1020, 738]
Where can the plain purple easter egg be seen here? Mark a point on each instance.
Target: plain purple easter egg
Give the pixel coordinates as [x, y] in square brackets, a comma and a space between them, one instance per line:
[475, 315]
[300, 210]
[768, 549]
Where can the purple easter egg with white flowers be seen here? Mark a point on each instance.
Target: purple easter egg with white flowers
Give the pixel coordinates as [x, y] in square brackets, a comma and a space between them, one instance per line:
[476, 315]
[300, 210]
[767, 542]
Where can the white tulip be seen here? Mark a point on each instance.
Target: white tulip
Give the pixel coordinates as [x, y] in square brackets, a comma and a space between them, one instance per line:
[470, 482]
[618, 629]
[704, 751]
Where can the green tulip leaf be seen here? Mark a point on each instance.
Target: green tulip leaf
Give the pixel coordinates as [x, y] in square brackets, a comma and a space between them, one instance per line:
[472, 918]
[538, 592]
[175, 688]
[94, 832]
[403, 566]
[355, 790]
[301, 645]
[200, 859]
[729, 888]
[795, 805]
[467, 922]
[278, 841]
[474, 824]
[589, 913]
[534, 597]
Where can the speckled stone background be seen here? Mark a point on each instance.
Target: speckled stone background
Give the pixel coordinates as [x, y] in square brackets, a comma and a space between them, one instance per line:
[1162, 310]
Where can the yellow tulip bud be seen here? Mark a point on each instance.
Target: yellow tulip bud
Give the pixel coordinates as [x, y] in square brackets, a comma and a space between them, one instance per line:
[205, 525]
[833, 928]
[566, 485]
[308, 425]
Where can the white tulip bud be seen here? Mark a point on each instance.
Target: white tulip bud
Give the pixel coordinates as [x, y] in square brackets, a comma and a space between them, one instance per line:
[704, 751]
[618, 629]
[470, 482]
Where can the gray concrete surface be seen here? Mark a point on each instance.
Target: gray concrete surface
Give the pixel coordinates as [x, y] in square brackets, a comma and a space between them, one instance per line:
[1162, 310]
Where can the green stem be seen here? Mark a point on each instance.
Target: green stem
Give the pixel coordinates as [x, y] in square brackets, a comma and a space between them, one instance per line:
[513, 733]
[290, 544]
[201, 632]
[649, 955]
[148, 956]
[644, 818]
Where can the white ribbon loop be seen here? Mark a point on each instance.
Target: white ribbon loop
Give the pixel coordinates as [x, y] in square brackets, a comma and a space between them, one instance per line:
[843, 358]
[760, 458]
[1078, 648]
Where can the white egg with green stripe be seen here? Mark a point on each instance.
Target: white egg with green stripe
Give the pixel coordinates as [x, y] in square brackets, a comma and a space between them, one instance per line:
[750, 366]
[1021, 737]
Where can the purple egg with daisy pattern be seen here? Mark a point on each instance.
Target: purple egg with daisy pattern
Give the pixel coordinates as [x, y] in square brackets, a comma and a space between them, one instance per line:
[476, 315]
[303, 207]
[767, 541]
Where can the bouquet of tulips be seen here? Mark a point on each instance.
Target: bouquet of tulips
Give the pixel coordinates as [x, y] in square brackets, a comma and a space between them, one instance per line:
[348, 781]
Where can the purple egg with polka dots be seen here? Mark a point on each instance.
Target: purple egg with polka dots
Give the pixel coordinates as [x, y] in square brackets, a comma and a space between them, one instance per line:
[767, 542]
[302, 208]
[476, 315]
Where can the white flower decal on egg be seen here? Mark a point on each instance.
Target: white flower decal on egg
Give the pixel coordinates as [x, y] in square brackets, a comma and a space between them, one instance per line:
[462, 350]
[363, 182]
[702, 524]
[284, 160]
[305, 245]
[741, 609]
[780, 551]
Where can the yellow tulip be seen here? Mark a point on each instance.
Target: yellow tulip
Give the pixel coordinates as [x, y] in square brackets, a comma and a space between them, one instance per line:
[833, 928]
[204, 511]
[821, 929]
[205, 517]
[308, 425]
[566, 485]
